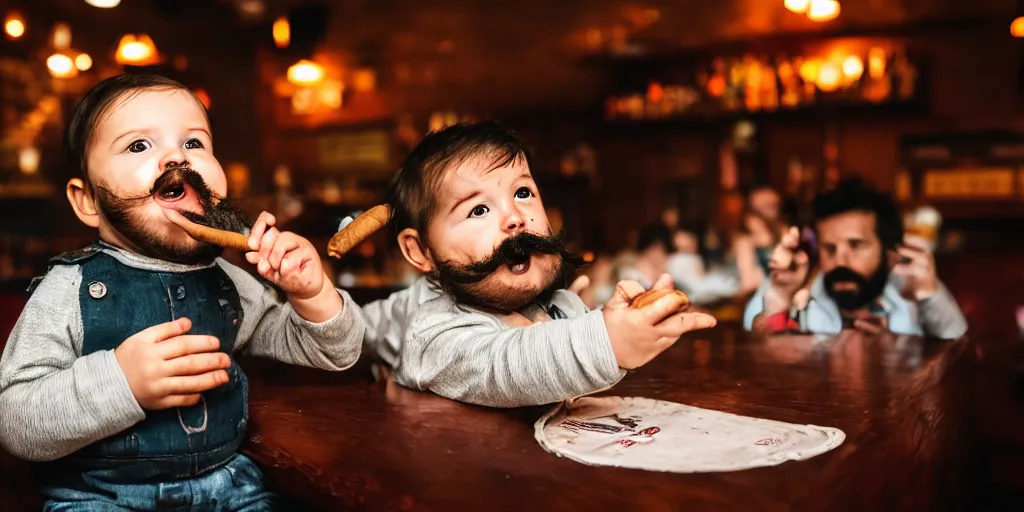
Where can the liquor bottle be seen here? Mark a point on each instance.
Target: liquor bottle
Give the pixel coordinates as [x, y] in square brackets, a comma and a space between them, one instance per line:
[769, 88]
[752, 76]
[717, 86]
[790, 83]
[733, 97]
[905, 74]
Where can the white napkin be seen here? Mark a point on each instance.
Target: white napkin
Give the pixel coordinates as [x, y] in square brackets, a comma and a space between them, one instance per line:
[654, 435]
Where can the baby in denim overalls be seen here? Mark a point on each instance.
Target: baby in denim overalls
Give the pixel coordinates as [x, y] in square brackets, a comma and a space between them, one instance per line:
[120, 372]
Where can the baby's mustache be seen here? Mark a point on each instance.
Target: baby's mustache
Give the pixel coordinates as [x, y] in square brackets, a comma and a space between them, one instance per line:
[515, 249]
[180, 175]
[217, 212]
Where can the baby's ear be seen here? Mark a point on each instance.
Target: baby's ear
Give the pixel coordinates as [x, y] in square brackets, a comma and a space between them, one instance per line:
[83, 201]
[414, 250]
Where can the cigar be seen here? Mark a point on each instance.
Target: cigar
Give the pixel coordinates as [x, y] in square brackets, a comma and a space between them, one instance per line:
[219, 237]
[651, 296]
[358, 230]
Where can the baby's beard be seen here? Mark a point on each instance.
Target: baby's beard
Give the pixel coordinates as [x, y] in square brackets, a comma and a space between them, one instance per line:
[123, 213]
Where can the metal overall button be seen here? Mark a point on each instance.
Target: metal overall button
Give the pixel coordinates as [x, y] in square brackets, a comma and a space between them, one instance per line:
[228, 310]
[97, 290]
[178, 291]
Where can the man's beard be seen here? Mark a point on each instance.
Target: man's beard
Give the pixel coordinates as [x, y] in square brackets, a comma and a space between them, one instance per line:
[467, 283]
[868, 288]
[120, 212]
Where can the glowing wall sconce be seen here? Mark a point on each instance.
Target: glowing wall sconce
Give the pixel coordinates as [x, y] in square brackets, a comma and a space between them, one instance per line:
[103, 4]
[83, 62]
[823, 10]
[305, 72]
[137, 51]
[1017, 27]
[61, 36]
[14, 26]
[61, 66]
[282, 32]
[797, 6]
[28, 160]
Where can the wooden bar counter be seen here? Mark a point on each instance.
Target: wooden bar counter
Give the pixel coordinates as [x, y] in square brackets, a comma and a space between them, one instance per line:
[339, 441]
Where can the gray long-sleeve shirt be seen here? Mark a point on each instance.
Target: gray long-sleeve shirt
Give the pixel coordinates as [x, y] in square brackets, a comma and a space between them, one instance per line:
[387, 319]
[54, 401]
[467, 355]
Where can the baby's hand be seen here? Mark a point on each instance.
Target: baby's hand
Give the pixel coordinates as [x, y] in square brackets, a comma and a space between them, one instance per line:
[286, 259]
[166, 368]
[639, 335]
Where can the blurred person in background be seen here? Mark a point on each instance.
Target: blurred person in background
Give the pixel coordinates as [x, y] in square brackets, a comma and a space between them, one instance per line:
[670, 218]
[759, 232]
[686, 266]
[601, 285]
[653, 248]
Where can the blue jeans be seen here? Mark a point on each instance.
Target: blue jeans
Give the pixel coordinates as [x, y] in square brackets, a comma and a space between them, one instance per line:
[235, 486]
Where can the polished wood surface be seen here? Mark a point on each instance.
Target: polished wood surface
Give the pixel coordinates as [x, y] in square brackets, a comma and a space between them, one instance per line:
[339, 441]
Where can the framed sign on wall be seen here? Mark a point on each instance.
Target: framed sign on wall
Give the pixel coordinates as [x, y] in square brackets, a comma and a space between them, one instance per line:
[364, 150]
[967, 175]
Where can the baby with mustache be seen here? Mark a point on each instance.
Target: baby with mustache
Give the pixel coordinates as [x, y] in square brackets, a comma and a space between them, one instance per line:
[491, 323]
[120, 374]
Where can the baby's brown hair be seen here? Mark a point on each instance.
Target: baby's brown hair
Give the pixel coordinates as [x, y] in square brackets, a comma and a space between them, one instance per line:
[414, 190]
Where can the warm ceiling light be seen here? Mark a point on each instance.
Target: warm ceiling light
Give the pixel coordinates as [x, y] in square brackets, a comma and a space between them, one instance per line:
[83, 62]
[330, 95]
[14, 26]
[828, 77]
[61, 36]
[28, 160]
[809, 70]
[61, 66]
[364, 80]
[1017, 27]
[823, 10]
[251, 8]
[136, 51]
[853, 67]
[282, 32]
[305, 72]
[876, 62]
[797, 6]
[103, 4]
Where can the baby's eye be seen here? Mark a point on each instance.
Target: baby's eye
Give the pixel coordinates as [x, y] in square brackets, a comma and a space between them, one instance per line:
[479, 211]
[138, 146]
[193, 144]
[524, 193]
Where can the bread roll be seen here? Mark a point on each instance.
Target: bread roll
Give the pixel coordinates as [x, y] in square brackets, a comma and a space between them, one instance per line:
[651, 296]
